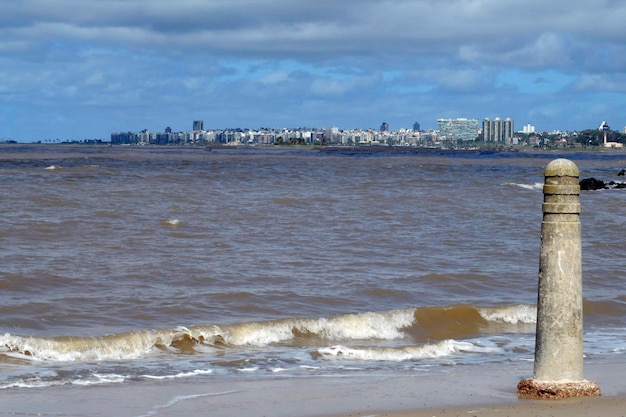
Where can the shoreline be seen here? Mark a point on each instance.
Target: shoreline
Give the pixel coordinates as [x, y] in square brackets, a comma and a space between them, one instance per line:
[331, 148]
[456, 391]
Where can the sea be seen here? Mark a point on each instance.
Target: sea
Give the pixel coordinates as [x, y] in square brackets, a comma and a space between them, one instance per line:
[123, 264]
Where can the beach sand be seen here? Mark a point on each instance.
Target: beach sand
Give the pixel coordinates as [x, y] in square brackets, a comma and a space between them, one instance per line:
[598, 406]
[458, 391]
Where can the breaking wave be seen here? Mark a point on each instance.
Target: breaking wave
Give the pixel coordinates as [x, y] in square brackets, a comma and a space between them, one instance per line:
[412, 325]
[534, 186]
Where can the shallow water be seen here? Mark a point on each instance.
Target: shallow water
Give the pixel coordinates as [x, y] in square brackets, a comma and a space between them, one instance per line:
[125, 263]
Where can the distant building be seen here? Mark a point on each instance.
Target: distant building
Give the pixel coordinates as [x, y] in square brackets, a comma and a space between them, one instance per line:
[457, 129]
[331, 135]
[528, 129]
[416, 127]
[498, 130]
[605, 128]
[384, 127]
[198, 125]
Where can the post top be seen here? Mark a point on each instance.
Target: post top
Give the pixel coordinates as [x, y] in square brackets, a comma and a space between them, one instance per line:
[561, 168]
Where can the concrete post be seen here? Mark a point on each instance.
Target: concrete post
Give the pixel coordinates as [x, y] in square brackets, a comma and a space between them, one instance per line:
[558, 369]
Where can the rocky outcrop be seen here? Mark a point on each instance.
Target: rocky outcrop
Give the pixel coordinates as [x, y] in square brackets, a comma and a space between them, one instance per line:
[595, 184]
[592, 184]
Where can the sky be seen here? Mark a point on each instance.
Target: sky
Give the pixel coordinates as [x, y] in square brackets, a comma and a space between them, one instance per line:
[74, 70]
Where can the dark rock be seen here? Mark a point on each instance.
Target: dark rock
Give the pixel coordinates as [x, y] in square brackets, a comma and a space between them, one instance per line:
[592, 184]
[621, 173]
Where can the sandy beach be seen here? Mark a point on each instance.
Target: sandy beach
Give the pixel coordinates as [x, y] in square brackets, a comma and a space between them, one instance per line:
[603, 406]
[504, 402]
[463, 391]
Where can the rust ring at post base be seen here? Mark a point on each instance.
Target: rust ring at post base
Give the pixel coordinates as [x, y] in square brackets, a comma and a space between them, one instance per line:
[531, 389]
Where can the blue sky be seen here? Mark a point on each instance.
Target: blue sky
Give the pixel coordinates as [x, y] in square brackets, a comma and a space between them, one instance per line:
[83, 69]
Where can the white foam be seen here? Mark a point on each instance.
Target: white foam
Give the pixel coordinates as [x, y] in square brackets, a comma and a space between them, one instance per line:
[615, 184]
[442, 349]
[514, 314]
[385, 325]
[99, 379]
[131, 345]
[365, 326]
[38, 382]
[180, 374]
[30, 383]
[258, 333]
[124, 346]
[535, 186]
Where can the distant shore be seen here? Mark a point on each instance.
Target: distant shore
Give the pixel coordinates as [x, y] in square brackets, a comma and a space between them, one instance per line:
[357, 149]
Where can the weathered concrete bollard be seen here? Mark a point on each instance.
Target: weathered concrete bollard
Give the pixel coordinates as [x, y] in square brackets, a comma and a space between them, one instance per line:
[558, 369]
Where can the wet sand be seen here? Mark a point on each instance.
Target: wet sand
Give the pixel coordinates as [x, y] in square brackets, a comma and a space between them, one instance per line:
[462, 391]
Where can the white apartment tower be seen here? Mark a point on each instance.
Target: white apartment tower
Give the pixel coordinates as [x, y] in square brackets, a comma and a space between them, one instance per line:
[461, 128]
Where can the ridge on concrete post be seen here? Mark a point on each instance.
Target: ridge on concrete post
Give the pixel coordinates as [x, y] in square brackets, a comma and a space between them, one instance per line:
[558, 371]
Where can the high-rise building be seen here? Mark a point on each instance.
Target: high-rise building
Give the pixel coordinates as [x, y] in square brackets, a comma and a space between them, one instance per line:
[384, 127]
[457, 129]
[198, 125]
[498, 130]
[416, 127]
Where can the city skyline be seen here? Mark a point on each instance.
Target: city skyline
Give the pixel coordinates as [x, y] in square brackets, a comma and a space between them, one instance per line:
[497, 130]
[450, 132]
[110, 65]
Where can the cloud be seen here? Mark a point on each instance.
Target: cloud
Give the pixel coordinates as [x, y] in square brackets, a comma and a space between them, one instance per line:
[119, 63]
[607, 82]
[286, 27]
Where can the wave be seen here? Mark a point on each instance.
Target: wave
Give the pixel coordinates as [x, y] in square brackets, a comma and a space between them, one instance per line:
[465, 321]
[36, 381]
[414, 324]
[534, 186]
[52, 378]
[429, 351]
